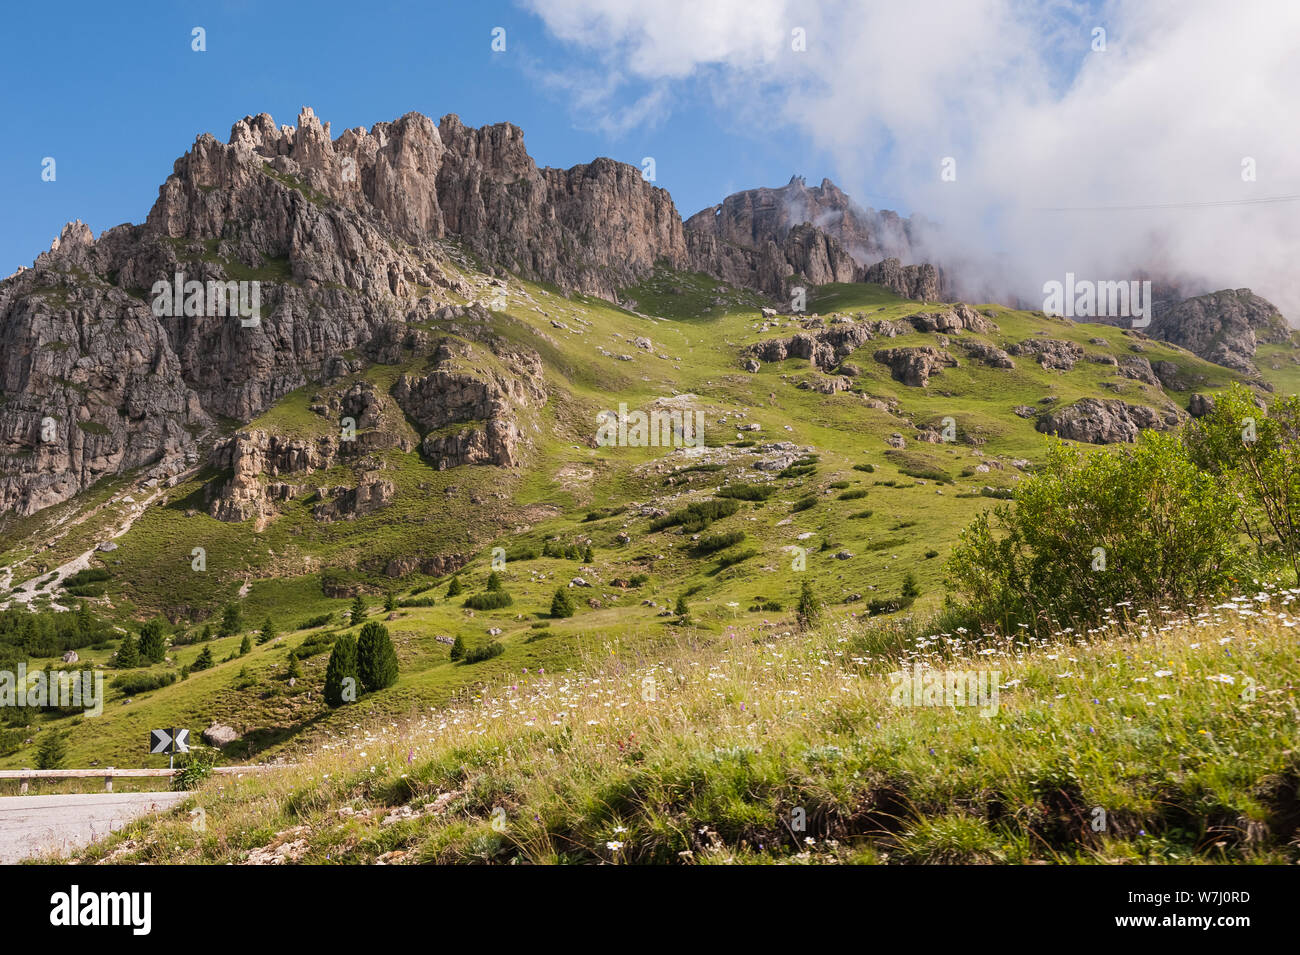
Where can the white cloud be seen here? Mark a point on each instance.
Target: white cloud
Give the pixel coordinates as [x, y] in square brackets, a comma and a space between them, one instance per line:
[1034, 118]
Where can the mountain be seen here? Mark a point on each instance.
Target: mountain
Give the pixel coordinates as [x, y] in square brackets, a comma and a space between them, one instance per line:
[444, 333]
[820, 233]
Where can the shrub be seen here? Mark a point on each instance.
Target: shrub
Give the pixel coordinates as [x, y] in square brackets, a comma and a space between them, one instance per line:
[323, 620]
[245, 645]
[854, 494]
[562, 603]
[203, 661]
[637, 580]
[796, 471]
[716, 542]
[735, 557]
[1254, 458]
[803, 503]
[489, 600]
[861, 515]
[195, 766]
[417, 602]
[342, 667]
[455, 588]
[458, 648]
[747, 492]
[485, 652]
[1092, 529]
[133, 684]
[376, 658]
[696, 516]
[683, 609]
[868, 468]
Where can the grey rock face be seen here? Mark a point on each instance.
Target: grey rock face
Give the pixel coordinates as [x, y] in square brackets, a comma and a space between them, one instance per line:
[1106, 421]
[1050, 352]
[1224, 327]
[914, 366]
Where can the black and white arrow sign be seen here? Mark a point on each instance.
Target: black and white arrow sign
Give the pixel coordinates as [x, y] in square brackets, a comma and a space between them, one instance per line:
[169, 741]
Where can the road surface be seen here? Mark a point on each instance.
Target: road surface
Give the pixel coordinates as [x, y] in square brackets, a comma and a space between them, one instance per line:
[34, 825]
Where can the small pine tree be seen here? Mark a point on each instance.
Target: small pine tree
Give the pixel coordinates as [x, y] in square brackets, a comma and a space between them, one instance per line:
[376, 658]
[245, 645]
[358, 610]
[910, 590]
[128, 654]
[809, 610]
[295, 672]
[561, 603]
[455, 588]
[52, 751]
[683, 609]
[390, 602]
[152, 647]
[587, 555]
[268, 632]
[204, 660]
[494, 582]
[341, 668]
[232, 620]
[207, 632]
[458, 648]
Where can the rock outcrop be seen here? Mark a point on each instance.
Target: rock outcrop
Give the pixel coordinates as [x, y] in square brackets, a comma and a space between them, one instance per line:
[1224, 327]
[914, 366]
[1106, 421]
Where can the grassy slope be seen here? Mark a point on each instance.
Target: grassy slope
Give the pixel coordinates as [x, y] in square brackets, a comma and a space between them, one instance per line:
[701, 327]
[1183, 732]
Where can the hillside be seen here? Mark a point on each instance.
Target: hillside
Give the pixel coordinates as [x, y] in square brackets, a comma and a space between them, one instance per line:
[445, 328]
[1153, 742]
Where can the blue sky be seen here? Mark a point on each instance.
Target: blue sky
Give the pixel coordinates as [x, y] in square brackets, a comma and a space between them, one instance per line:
[116, 98]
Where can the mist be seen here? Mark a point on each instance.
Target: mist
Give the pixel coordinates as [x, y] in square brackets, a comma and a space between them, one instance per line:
[1110, 140]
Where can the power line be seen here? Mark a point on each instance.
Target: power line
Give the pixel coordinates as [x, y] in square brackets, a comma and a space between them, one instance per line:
[1262, 200]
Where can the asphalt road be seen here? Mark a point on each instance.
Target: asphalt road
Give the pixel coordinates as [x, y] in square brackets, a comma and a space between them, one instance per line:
[34, 825]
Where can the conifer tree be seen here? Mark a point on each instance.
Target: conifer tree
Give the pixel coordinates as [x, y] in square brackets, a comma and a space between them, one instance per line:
[809, 610]
[152, 647]
[341, 668]
[376, 658]
[562, 604]
[455, 588]
[204, 660]
[128, 654]
[268, 631]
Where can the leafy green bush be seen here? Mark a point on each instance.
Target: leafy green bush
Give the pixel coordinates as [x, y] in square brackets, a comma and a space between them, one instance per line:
[735, 557]
[1094, 528]
[805, 502]
[854, 494]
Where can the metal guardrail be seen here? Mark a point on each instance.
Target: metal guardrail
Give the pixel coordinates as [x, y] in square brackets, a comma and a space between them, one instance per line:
[109, 773]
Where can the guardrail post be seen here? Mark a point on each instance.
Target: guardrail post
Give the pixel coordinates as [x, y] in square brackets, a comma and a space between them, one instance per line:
[108, 780]
[22, 787]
